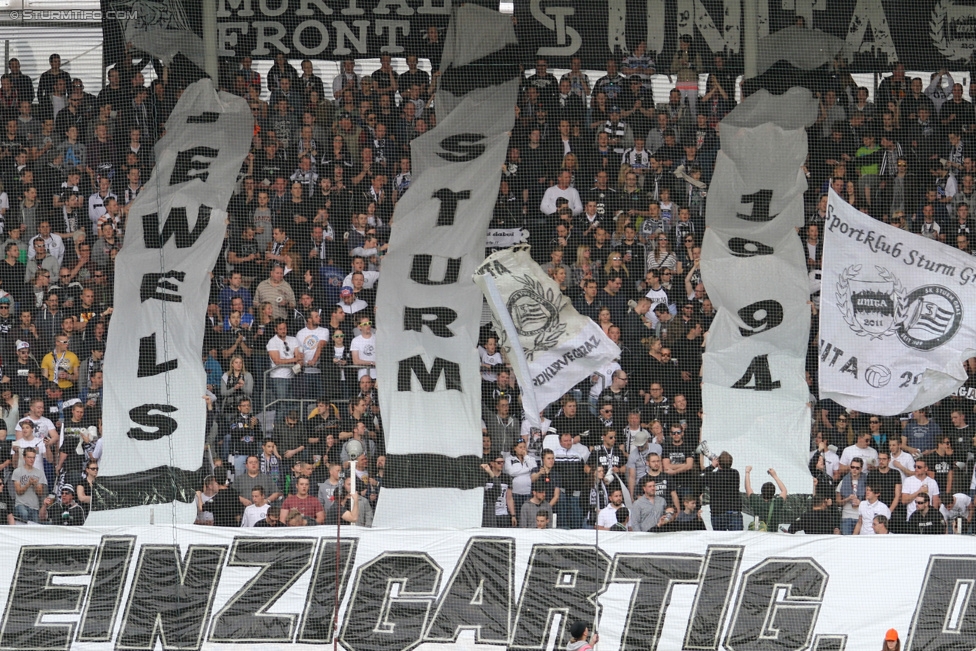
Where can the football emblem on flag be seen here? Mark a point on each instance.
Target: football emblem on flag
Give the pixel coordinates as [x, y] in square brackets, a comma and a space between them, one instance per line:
[877, 376]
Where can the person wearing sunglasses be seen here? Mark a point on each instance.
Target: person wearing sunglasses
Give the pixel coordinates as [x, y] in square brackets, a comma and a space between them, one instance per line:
[286, 357]
[363, 349]
[925, 519]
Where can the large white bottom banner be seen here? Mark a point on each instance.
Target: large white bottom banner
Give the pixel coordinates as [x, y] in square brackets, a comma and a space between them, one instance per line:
[209, 588]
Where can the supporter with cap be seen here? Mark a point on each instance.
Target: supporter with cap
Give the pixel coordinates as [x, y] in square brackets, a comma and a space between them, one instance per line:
[350, 304]
[65, 511]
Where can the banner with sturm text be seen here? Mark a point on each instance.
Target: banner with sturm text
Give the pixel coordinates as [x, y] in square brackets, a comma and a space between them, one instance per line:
[430, 310]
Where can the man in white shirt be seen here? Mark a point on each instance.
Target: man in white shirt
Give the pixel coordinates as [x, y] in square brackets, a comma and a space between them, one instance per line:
[258, 510]
[563, 190]
[369, 277]
[286, 354]
[52, 242]
[363, 349]
[861, 448]
[313, 338]
[608, 514]
[900, 460]
[918, 483]
[868, 510]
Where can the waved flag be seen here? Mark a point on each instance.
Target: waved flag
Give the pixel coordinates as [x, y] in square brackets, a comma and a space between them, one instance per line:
[551, 346]
[896, 316]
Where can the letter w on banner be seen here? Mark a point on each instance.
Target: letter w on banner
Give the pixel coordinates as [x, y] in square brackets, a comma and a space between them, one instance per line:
[897, 317]
[155, 416]
[550, 344]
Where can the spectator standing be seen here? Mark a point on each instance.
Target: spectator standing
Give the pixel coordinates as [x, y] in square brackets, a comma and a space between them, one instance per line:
[722, 481]
[29, 485]
[767, 507]
[925, 519]
[870, 508]
[850, 492]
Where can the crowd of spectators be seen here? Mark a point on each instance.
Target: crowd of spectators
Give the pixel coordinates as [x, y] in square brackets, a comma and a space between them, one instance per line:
[611, 184]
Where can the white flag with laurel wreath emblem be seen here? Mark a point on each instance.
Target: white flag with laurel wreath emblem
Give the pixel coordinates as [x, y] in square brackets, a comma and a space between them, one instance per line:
[896, 315]
[550, 345]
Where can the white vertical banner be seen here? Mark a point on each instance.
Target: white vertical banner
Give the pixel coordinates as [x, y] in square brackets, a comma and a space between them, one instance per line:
[754, 393]
[896, 314]
[430, 310]
[154, 413]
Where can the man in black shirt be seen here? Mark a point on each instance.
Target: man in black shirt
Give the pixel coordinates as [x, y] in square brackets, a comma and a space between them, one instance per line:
[723, 490]
[577, 423]
[925, 519]
[679, 463]
[887, 481]
[818, 520]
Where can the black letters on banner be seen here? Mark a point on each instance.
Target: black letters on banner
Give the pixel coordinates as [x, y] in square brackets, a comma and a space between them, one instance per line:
[32, 595]
[713, 598]
[157, 285]
[164, 425]
[414, 320]
[462, 147]
[653, 576]
[479, 594]
[171, 598]
[176, 226]
[107, 584]
[187, 169]
[945, 618]
[245, 618]
[420, 270]
[563, 579]
[759, 371]
[760, 206]
[740, 247]
[772, 317]
[414, 366]
[765, 620]
[317, 619]
[449, 204]
[147, 358]
[375, 620]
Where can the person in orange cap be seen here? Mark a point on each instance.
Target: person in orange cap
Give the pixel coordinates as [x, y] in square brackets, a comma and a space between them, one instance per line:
[891, 643]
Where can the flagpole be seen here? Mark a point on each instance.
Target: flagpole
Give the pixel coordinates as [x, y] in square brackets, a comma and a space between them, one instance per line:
[209, 16]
